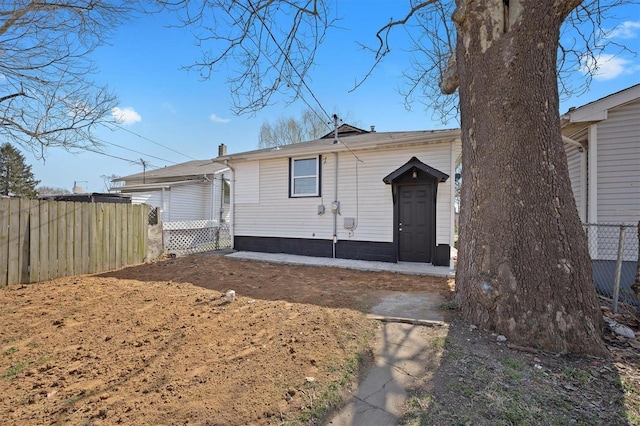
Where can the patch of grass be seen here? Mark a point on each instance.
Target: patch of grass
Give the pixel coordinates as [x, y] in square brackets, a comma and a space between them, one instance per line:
[439, 342]
[11, 350]
[462, 388]
[581, 376]
[32, 345]
[511, 363]
[512, 412]
[448, 306]
[15, 369]
[633, 418]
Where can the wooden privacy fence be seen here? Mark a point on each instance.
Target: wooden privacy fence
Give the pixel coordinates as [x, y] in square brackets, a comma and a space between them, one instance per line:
[42, 240]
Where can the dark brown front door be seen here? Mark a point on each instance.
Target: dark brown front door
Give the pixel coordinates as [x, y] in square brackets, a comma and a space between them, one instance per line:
[416, 222]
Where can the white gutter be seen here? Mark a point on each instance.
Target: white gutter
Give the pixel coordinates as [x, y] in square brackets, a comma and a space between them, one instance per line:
[570, 141]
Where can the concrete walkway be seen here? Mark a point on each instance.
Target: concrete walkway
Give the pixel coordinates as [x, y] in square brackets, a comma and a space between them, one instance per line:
[410, 268]
[400, 357]
[400, 353]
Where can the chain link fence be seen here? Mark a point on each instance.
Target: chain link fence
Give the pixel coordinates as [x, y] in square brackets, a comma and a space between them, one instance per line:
[153, 215]
[614, 256]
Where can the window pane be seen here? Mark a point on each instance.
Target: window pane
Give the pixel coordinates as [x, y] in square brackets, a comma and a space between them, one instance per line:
[306, 167]
[303, 186]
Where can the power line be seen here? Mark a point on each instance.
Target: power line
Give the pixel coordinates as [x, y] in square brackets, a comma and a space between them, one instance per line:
[137, 152]
[154, 142]
[109, 155]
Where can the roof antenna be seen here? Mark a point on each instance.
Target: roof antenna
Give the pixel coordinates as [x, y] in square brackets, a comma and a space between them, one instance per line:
[335, 128]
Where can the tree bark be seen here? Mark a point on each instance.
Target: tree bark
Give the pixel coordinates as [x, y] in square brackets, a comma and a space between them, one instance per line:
[636, 285]
[524, 268]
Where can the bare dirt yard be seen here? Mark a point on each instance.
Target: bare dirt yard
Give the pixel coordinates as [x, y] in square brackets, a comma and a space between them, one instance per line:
[160, 344]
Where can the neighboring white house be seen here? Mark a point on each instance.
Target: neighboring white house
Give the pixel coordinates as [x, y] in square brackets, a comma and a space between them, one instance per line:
[193, 190]
[192, 201]
[372, 195]
[602, 142]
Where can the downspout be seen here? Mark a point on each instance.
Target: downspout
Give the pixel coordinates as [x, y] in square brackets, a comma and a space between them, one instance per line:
[232, 204]
[592, 194]
[452, 196]
[335, 207]
[213, 197]
[221, 215]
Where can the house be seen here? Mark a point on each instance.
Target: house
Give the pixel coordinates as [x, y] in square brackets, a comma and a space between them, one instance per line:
[191, 201]
[385, 196]
[184, 191]
[602, 142]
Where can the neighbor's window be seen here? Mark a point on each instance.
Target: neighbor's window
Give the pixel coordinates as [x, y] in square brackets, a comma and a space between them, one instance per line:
[226, 192]
[304, 177]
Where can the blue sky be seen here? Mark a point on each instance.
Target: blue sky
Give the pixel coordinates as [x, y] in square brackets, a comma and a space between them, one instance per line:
[162, 105]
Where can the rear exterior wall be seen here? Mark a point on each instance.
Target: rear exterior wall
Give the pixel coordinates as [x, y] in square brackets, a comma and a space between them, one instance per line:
[263, 207]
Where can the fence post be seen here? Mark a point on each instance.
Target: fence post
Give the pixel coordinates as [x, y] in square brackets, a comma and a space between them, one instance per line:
[616, 281]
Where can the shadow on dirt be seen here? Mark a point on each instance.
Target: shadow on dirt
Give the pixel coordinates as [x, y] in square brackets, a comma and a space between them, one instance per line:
[322, 286]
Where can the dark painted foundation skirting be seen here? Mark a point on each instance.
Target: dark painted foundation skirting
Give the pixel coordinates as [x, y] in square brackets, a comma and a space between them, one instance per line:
[357, 250]
[604, 272]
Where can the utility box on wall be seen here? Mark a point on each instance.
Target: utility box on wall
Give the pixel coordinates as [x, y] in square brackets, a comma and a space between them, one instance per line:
[349, 223]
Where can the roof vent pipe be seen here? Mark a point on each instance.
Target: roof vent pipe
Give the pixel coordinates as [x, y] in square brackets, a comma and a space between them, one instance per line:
[222, 150]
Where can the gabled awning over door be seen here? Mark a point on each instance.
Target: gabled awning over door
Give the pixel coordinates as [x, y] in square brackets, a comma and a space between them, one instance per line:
[415, 165]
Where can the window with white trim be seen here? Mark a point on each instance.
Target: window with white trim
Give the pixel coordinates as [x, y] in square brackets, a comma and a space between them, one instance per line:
[304, 177]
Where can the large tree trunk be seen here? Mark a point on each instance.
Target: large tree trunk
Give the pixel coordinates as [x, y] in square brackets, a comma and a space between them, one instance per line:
[636, 285]
[524, 268]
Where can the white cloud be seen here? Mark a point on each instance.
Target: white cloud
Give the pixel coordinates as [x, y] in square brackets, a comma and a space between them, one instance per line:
[125, 115]
[627, 30]
[608, 67]
[216, 119]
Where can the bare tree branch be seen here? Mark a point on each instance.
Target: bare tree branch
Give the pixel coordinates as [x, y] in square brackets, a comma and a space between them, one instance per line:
[268, 46]
[47, 98]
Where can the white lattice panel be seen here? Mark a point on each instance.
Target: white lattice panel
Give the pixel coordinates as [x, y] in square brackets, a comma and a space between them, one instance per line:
[195, 236]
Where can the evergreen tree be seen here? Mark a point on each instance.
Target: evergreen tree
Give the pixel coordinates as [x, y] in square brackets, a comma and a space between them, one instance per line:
[16, 178]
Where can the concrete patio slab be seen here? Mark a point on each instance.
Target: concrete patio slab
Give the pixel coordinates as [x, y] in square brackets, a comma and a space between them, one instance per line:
[410, 268]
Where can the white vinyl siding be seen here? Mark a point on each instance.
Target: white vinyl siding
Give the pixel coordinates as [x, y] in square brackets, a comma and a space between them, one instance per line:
[191, 202]
[246, 185]
[577, 174]
[619, 166]
[361, 192]
[153, 198]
